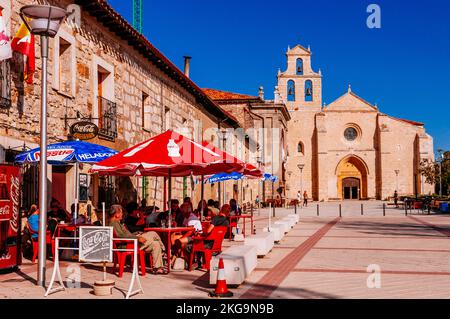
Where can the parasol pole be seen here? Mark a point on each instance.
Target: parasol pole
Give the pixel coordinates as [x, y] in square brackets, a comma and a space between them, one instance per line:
[104, 217]
[202, 195]
[77, 192]
[154, 198]
[170, 197]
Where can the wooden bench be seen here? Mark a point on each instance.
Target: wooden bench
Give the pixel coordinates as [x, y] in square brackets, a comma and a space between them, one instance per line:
[239, 261]
[263, 243]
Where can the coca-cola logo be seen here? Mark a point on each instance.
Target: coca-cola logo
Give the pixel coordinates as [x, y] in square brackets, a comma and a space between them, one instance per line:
[84, 130]
[95, 241]
[15, 199]
[4, 211]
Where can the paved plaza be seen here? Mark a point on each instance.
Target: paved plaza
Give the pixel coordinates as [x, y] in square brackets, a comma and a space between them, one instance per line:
[322, 257]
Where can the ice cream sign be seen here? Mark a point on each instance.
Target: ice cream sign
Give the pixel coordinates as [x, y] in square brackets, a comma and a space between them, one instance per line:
[54, 155]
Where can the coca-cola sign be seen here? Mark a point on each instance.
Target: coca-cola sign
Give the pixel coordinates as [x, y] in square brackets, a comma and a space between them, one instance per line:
[84, 130]
[96, 244]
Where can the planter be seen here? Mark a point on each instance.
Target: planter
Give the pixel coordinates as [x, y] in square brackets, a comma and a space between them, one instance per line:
[103, 288]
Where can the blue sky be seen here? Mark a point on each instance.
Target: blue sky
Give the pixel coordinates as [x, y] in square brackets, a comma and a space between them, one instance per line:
[239, 45]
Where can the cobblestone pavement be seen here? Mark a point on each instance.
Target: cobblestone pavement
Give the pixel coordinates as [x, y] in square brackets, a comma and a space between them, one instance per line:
[322, 257]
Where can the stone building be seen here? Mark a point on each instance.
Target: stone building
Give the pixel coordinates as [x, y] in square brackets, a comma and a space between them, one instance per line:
[265, 123]
[104, 71]
[349, 148]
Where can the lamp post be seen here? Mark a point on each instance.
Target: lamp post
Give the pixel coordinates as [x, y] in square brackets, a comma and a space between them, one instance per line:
[301, 167]
[43, 20]
[396, 179]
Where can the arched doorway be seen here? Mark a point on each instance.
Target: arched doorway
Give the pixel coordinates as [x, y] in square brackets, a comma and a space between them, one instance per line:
[351, 175]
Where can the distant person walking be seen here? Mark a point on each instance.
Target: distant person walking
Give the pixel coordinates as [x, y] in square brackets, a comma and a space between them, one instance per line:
[305, 199]
[396, 199]
[299, 197]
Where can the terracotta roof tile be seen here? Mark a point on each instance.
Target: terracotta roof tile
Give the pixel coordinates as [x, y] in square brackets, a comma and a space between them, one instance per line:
[218, 95]
[409, 121]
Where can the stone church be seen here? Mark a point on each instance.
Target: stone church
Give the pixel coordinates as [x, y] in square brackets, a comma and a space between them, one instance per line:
[349, 149]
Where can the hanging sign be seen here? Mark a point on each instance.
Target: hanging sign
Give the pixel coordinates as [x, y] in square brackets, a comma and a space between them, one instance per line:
[84, 130]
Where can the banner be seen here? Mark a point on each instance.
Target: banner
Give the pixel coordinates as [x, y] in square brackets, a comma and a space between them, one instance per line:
[5, 33]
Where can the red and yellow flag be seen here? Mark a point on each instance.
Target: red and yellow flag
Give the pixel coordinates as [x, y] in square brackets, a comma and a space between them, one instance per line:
[23, 43]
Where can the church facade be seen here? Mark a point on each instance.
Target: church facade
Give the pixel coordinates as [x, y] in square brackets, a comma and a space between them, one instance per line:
[349, 149]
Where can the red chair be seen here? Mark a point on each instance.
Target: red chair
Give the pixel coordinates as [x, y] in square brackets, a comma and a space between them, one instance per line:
[120, 257]
[49, 240]
[217, 235]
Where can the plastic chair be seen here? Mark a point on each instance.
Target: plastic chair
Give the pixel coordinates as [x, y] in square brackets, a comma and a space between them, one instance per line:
[49, 240]
[120, 257]
[217, 235]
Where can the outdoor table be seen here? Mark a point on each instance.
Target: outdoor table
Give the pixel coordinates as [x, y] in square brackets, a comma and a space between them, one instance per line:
[169, 232]
[237, 217]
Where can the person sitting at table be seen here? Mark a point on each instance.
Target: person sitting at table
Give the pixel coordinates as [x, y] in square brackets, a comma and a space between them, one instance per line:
[151, 219]
[202, 208]
[33, 221]
[177, 215]
[213, 210]
[56, 215]
[222, 218]
[235, 209]
[81, 219]
[150, 242]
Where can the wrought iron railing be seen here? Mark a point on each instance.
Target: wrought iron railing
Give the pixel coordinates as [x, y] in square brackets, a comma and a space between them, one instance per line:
[107, 123]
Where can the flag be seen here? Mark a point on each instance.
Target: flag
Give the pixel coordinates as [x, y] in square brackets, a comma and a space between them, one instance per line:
[5, 40]
[23, 43]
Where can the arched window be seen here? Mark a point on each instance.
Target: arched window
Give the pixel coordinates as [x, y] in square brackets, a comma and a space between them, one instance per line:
[291, 91]
[308, 91]
[299, 67]
[301, 148]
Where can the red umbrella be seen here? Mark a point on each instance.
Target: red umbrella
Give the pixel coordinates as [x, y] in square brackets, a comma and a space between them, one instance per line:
[169, 154]
[249, 169]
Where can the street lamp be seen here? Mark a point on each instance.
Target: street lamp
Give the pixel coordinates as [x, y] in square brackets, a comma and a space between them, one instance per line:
[301, 167]
[396, 178]
[43, 20]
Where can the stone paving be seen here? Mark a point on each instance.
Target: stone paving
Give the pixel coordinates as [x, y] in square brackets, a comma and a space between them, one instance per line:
[322, 257]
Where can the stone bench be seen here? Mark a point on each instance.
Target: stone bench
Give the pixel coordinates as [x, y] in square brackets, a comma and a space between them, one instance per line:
[263, 243]
[291, 222]
[296, 217]
[286, 226]
[277, 231]
[239, 261]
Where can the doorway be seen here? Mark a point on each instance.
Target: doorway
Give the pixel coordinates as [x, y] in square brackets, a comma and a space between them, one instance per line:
[351, 188]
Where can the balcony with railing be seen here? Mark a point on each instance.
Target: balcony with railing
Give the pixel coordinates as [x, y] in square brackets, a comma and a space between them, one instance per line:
[107, 122]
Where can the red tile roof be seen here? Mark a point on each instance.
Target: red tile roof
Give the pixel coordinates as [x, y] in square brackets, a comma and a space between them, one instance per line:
[218, 95]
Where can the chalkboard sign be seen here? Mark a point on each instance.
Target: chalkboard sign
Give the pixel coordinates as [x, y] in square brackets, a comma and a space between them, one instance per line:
[96, 244]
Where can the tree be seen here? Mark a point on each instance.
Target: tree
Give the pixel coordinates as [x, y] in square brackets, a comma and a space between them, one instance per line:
[431, 171]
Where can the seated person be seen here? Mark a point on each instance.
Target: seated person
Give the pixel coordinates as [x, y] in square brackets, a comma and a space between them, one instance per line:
[235, 209]
[150, 242]
[213, 210]
[32, 223]
[56, 215]
[177, 215]
[202, 209]
[81, 219]
[222, 218]
[151, 219]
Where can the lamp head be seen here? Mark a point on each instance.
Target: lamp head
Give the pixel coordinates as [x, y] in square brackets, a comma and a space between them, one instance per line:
[43, 20]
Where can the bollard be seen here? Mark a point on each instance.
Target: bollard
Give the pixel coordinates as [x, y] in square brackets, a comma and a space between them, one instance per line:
[340, 210]
[384, 209]
[362, 209]
[318, 210]
[406, 209]
[295, 209]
